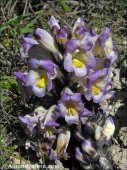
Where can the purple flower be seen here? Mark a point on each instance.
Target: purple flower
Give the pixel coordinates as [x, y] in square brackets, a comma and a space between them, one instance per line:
[80, 22]
[53, 155]
[21, 78]
[27, 123]
[79, 62]
[49, 130]
[70, 106]
[96, 85]
[103, 36]
[47, 41]
[106, 98]
[103, 45]
[92, 32]
[40, 79]
[79, 32]
[27, 43]
[53, 22]
[46, 65]
[31, 121]
[99, 42]
[109, 50]
[61, 35]
[31, 49]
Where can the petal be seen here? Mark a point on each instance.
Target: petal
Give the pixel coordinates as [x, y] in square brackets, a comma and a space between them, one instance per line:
[79, 155]
[31, 129]
[79, 107]
[103, 36]
[109, 43]
[23, 54]
[40, 111]
[66, 90]
[20, 76]
[102, 84]
[79, 22]
[53, 22]
[27, 42]
[36, 51]
[88, 148]
[65, 97]
[50, 114]
[49, 85]
[39, 92]
[72, 45]
[68, 63]
[88, 94]
[91, 31]
[90, 60]
[49, 66]
[53, 155]
[46, 40]
[25, 120]
[32, 77]
[112, 55]
[95, 75]
[98, 98]
[63, 142]
[86, 45]
[97, 48]
[61, 109]
[80, 72]
[76, 97]
[79, 32]
[72, 119]
[108, 128]
[61, 36]
[51, 123]
[86, 112]
[34, 63]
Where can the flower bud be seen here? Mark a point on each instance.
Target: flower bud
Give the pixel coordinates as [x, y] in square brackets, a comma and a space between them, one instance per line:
[62, 142]
[79, 32]
[79, 155]
[46, 41]
[53, 22]
[88, 148]
[104, 35]
[61, 36]
[78, 23]
[108, 128]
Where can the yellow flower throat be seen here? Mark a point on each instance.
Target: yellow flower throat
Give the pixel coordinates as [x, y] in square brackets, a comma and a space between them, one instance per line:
[76, 63]
[70, 109]
[95, 90]
[42, 82]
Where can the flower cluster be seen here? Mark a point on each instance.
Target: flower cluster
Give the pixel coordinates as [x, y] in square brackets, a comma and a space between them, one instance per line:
[73, 66]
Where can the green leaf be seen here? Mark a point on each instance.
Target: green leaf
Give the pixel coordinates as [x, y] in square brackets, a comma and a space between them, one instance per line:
[26, 30]
[64, 5]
